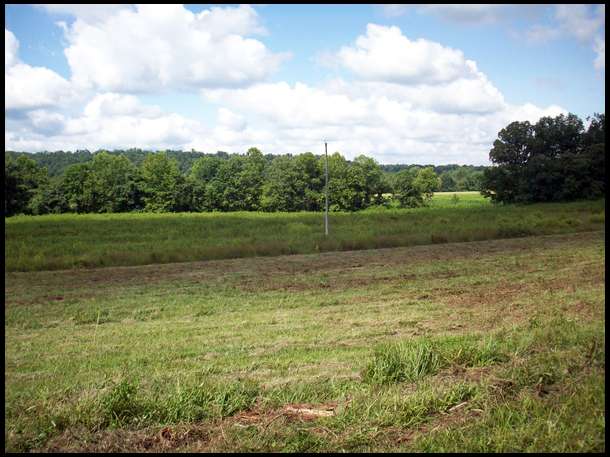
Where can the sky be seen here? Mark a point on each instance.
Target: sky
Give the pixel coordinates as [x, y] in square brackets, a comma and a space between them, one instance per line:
[416, 84]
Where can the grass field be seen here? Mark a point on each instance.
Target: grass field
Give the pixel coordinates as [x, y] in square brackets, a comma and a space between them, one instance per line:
[492, 345]
[66, 241]
[468, 199]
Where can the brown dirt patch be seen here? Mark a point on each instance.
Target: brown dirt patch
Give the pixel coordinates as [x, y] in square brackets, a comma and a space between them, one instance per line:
[182, 436]
[166, 439]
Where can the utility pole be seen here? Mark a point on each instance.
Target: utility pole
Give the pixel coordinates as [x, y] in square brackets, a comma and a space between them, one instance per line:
[326, 192]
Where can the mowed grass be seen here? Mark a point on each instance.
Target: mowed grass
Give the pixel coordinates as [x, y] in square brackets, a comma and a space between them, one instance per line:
[55, 242]
[480, 346]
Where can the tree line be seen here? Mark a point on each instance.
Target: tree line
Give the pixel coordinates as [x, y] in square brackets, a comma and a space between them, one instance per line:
[454, 178]
[109, 183]
[555, 159]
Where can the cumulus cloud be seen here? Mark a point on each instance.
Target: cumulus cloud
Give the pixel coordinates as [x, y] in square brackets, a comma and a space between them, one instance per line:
[11, 45]
[421, 73]
[385, 54]
[288, 105]
[107, 121]
[154, 47]
[111, 104]
[45, 122]
[411, 101]
[28, 87]
[383, 120]
[231, 121]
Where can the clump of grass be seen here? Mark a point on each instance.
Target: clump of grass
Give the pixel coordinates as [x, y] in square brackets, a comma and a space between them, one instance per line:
[392, 406]
[207, 400]
[125, 403]
[467, 351]
[404, 361]
[120, 405]
[412, 360]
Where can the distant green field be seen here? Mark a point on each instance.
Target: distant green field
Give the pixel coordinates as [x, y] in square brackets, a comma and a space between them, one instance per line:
[459, 199]
[68, 241]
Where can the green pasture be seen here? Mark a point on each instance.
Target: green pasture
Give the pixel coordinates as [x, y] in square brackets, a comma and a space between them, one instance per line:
[483, 346]
[68, 241]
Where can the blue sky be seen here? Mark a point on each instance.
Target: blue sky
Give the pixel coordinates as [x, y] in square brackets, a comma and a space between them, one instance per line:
[401, 83]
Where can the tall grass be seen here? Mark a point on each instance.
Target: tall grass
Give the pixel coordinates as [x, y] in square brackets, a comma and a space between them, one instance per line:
[68, 241]
[413, 359]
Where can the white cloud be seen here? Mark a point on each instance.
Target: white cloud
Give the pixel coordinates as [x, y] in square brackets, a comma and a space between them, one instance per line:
[279, 118]
[581, 21]
[422, 73]
[111, 104]
[107, 121]
[45, 122]
[289, 106]
[28, 87]
[586, 23]
[229, 120]
[432, 106]
[224, 21]
[385, 54]
[11, 45]
[412, 102]
[166, 46]
[382, 120]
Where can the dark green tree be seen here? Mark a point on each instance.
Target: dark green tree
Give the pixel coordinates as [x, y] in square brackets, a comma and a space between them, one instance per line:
[115, 182]
[161, 181]
[312, 181]
[427, 182]
[50, 198]
[553, 160]
[22, 177]
[203, 171]
[284, 188]
[406, 191]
